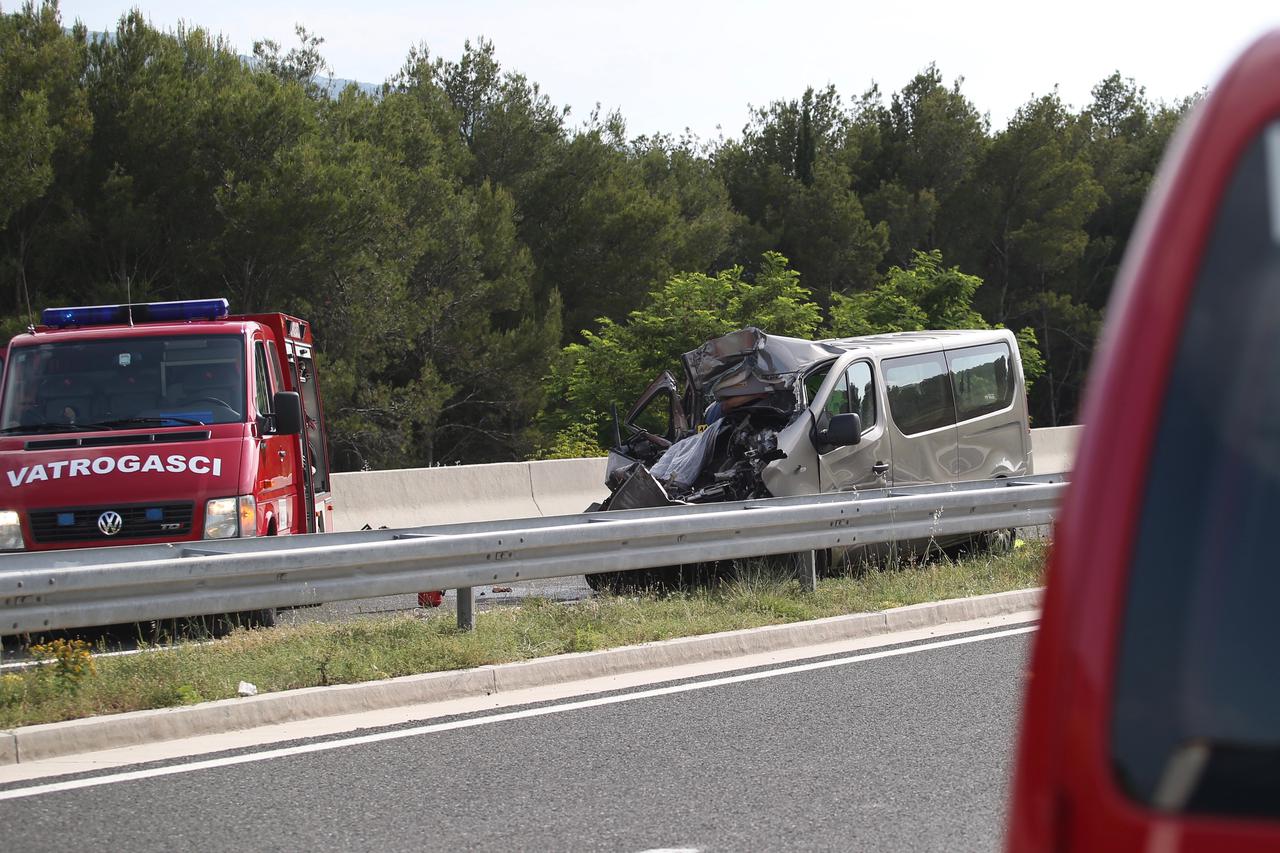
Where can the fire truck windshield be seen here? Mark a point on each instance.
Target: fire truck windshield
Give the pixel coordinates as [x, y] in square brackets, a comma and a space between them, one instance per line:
[124, 383]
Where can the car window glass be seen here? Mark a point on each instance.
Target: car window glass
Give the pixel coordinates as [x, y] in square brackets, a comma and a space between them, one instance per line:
[169, 380]
[862, 396]
[260, 373]
[813, 382]
[1196, 702]
[837, 401]
[655, 417]
[273, 363]
[919, 392]
[982, 379]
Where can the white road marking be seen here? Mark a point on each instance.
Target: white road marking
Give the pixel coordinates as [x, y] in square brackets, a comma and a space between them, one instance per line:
[473, 722]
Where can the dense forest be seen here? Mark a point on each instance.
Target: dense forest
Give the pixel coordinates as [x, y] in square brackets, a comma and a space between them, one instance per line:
[486, 272]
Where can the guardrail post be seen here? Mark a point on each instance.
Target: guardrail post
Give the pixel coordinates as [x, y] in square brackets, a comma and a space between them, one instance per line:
[466, 608]
[807, 570]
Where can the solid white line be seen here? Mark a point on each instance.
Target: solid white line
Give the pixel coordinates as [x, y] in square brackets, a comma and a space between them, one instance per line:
[472, 722]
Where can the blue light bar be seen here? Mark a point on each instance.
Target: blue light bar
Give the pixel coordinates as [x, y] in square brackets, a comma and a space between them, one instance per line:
[143, 312]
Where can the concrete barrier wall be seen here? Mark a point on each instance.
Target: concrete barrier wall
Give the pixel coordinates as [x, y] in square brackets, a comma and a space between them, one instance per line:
[566, 486]
[414, 497]
[1053, 449]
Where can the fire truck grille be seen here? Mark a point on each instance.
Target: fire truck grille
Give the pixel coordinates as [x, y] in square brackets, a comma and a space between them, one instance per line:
[85, 524]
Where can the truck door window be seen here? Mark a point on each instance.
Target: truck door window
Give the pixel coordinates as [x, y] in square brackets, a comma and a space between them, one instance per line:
[260, 377]
[317, 457]
[919, 392]
[982, 379]
[273, 366]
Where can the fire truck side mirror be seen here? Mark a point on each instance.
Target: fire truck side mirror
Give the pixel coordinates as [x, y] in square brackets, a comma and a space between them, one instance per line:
[288, 413]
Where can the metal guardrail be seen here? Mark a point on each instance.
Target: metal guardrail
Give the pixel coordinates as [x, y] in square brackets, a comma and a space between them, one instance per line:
[102, 586]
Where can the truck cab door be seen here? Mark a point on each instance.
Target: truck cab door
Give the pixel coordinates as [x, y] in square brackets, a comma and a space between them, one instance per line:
[276, 485]
[864, 465]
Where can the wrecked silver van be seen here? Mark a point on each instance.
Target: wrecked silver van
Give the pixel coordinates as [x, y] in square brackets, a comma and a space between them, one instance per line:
[767, 416]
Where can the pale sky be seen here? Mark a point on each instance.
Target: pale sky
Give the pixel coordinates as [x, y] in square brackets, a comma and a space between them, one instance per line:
[674, 65]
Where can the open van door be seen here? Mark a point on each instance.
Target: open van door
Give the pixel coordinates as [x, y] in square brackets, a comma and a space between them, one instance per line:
[1152, 717]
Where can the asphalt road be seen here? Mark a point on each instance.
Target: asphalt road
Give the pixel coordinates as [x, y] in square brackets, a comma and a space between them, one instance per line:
[906, 752]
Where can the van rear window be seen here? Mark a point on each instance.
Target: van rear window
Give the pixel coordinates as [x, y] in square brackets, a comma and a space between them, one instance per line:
[919, 392]
[982, 379]
[1196, 713]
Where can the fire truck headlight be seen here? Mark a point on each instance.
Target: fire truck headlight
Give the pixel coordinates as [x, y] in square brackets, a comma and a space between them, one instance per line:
[221, 518]
[10, 531]
[226, 518]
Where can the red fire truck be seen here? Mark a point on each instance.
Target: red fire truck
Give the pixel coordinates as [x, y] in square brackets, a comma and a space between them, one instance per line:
[160, 422]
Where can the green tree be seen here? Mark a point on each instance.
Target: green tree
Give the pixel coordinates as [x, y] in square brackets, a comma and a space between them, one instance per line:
[789, 178]
[615, 363]
[911, 157]
[1037, 193]
[45, 127]
[924, 295]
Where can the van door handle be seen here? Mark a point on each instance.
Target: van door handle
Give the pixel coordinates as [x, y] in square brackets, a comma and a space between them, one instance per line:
[880, 469]
[283, 454]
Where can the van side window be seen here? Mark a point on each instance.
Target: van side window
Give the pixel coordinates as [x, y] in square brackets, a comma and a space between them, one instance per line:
[862, 393]
[919, 392]
[982, 378]
[260, 374]
[813, 381]
[838, 400]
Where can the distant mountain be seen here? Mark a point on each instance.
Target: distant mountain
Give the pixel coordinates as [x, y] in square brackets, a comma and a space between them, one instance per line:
[331, 86]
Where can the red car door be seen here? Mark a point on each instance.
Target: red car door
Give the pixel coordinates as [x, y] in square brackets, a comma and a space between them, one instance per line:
[1152, 714]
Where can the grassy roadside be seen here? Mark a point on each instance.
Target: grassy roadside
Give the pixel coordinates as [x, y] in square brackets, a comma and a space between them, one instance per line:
[319, 654]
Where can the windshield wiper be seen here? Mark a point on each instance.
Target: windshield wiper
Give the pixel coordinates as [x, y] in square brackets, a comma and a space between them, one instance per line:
[167, 420]
[64, 427]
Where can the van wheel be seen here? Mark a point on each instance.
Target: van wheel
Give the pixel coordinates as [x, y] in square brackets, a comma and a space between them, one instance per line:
[658, 579]
[251, 619]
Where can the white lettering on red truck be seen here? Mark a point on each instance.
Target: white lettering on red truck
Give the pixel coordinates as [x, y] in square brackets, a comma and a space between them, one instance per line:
[130, 464]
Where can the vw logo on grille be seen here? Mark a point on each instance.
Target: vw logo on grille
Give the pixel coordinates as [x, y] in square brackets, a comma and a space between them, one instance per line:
[110, 523]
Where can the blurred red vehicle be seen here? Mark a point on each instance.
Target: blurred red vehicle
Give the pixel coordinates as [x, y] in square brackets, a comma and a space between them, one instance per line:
[1152, 717]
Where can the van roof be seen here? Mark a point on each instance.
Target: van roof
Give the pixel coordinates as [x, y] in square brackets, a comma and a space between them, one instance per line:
[908, 343]
[752, 359]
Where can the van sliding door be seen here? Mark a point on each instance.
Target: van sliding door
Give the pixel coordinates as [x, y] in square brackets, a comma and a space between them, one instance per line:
[923, 434]
[991, 410]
